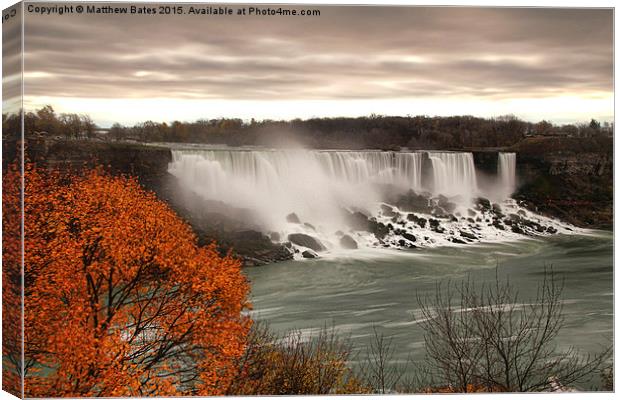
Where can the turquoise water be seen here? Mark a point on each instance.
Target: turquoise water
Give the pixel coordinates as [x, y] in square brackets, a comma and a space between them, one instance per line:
[356, 291]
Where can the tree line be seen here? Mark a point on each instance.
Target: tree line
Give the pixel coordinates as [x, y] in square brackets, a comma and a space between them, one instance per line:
[374, 131]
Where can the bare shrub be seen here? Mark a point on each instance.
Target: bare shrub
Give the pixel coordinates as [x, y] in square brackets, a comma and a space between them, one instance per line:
[484, 339]
[292, 365]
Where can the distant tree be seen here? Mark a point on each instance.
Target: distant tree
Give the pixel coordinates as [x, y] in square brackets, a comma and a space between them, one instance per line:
[595, 125]
[117, 131]
[88, 127]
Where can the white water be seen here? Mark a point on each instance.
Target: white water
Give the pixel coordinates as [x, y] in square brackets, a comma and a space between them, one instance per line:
[318, 185]
[506, 171]
[454, 174]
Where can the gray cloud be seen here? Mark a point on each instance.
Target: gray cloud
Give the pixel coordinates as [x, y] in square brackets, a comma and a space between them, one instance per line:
[346, 53]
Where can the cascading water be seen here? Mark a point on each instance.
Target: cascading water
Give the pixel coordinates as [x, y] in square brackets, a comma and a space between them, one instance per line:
[454, 174]
[319, 186]
[506, 172]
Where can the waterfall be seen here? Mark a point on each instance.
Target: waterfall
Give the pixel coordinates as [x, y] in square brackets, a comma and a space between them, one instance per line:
[453, 174]
[315, 185]
[506, 171]
[325, 189]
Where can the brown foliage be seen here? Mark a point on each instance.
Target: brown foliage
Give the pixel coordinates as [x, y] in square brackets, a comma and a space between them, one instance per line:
[119, 299]
[294, 366]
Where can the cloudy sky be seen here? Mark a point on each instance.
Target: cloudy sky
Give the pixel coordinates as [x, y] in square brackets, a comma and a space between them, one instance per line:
[535, 63]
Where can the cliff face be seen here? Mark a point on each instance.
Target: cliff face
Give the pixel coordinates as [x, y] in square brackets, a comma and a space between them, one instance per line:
[148, 163]
[567, 180]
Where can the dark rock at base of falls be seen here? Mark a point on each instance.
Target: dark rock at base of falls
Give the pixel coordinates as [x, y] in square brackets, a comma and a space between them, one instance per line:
[347, 242]
[379, 229]
[403, 243]
[458, 241]
[468, 235]
[497, 209]
[293, 218]
[308, 241]
[413, 202]
[309, 225]
[309, 254]
[408, 236]
[483, 204]
[357, 221]
[388, 211]
[418, 220]
[446, 204]
[274, 236]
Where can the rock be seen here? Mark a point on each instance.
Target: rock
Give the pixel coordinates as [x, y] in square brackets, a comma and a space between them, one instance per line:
[468, 235]
[293, 218]
[308, 241]
[348, 242]
[483, 204]
[497, 210]
[551, 229]
[379, 229]
[457, 240]
[444, 203]
[411, 201]
[274, 236]
[310, 226]
[517, 229]
[388, 211]
[404, 243]
[418, 220]
[309, 254]
[358, 221]
[498, 225]
[409, 236]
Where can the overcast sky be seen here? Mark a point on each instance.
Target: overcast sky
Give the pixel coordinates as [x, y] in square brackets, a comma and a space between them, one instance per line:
[535, 63]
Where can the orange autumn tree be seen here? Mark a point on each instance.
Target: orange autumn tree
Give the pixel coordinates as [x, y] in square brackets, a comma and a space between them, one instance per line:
[119, 299]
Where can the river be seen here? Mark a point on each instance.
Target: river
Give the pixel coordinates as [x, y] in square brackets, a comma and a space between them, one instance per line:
[361, 289]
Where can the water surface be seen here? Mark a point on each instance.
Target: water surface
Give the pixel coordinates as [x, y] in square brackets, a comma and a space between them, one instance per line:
[359, 290]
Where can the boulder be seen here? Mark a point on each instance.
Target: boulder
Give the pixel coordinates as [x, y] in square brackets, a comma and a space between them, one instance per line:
[358, 221]
[388, 211]
[293, 218]
[308, 241]
[309, 254]
[411, 201]
[483, 204]
[468, 235]
[409, 236]
[274, 236]
[379, 229]
[347, 242]
[418, 220]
